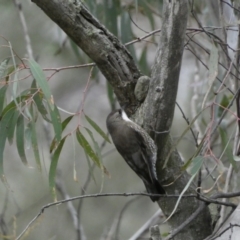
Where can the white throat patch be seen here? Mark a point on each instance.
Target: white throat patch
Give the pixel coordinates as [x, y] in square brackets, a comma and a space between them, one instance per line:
[125, 117]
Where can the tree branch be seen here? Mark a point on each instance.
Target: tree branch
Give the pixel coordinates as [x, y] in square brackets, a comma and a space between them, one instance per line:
[112, 57]
[118, 67]
[159, 110]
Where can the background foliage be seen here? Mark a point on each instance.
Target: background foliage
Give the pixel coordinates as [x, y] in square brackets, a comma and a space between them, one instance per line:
[53, 106]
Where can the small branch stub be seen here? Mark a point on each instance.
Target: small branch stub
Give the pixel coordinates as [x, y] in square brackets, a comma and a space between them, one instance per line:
[141, 88]
[155, 233]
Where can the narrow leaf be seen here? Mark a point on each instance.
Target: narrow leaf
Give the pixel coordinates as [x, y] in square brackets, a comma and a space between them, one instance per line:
[20, 139]
[10, 70]
[196, 165]
[143, 62]
[38, 74]
[28, 136]
[96, 147]
[38, 99]
[66, 122]
[3, 67]
[34, 141]
[111, 11]
[86, 146]
[56, 121]
[53, 167]
[224, 103]
[12, 104]
[225, 141]
[3, 91]
[98, 151]
[126, 33]
[64, 125]
[97, 128]
[11, 129]
[4, 125]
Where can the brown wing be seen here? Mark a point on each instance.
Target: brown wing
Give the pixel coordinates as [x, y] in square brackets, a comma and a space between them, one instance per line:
[148, 153]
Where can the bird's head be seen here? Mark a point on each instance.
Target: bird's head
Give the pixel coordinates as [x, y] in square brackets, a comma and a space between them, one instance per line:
[116, 119]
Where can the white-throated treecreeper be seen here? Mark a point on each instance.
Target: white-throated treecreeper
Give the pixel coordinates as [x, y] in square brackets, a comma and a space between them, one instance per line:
[137, 148]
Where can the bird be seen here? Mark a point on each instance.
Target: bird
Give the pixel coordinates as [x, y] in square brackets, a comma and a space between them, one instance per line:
[137, 148]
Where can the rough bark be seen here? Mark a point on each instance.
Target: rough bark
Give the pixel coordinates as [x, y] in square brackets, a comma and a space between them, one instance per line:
[162, 97]
[118, 67]
[111, 57]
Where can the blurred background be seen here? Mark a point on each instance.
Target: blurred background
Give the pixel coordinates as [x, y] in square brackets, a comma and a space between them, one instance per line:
[27, 188]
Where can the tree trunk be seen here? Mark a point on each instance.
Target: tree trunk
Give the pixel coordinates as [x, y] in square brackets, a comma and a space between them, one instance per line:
[117, 65]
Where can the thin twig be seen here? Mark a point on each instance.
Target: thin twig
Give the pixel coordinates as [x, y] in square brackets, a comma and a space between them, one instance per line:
[120, 215]
[188, 123]
[226, 187]
[213, 235]
[204, 199]
[25, 29]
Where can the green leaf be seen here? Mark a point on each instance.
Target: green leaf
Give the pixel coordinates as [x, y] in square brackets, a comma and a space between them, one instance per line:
[34, 141]
[12, 104]
[10, 70]
[3, 91]
[98, 151]
[53, 166]
[64, 125]
[15, 86]
[56, 121]
[12, 125]
[223, 104]
[196, 164]
[97, 128]
[111, 11]
[38, 99]
[66, 122]
[3, 67]
[87, 148]
[38, 74]
[225, 140]
[28, 136]
[4, 126]
[20, 133]
[96, 147]
[126, 33]
[143, 63]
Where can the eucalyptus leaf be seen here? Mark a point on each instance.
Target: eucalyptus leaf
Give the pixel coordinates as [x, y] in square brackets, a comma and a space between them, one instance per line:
[53, 167]
[97, 128]
[4, 126]
[20, 139]
[38, 74]
[87, 148]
